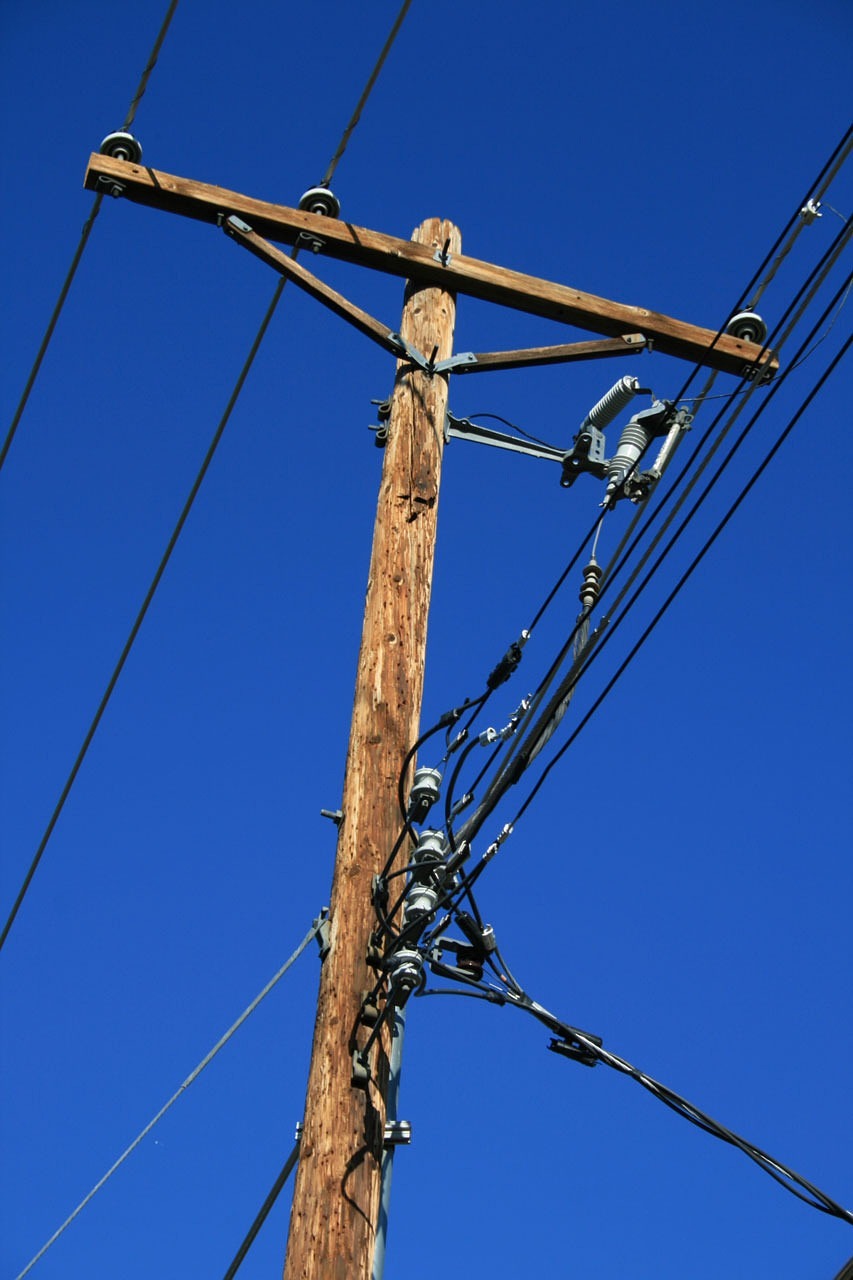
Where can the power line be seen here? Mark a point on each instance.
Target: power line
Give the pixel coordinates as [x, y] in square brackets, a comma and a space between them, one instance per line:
[316, 926]
[687, 573]
[534, 739]
[208, 458]
[366, 92]
[140, 617]
[263, 1212]
[84, 237]
[575, 1043]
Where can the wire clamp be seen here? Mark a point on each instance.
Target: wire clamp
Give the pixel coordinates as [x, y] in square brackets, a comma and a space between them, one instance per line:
[810, 211]
[570, 1047]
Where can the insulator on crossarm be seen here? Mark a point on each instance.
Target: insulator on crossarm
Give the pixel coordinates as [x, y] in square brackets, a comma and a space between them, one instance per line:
[610, 404]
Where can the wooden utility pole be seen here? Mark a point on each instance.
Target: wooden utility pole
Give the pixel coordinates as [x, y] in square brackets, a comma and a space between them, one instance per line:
[336, 1202]
[336, 1199]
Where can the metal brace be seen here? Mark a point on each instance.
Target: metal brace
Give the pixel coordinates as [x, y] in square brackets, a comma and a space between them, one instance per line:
[463, 358]
[401, 347]
[443, 255]
[231, 223]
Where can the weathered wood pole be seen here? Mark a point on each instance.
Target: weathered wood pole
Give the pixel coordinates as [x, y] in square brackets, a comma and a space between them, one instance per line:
[337, 1192]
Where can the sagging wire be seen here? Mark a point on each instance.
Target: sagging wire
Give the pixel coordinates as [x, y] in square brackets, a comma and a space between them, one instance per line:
[81, 245]
[588, 1050]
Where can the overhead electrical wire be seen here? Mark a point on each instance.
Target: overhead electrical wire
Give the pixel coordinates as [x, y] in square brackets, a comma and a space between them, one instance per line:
[143, 609]
[84, 237]
[366, 92]
[263, 1212]
[208, 458]
[688, 572]
[315, 929]
[794, 226]
[591, 1046]
[584, 659]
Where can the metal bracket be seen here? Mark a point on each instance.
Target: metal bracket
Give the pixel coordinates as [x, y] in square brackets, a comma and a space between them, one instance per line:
[324, 933]
[398, 1133]
[463, 429]
[334, 815]
[454, 362]
[110, 186]
[231, 223]
[360, 1070]
[308, 241]
[402, 348]
[443, 255]
[586, 454]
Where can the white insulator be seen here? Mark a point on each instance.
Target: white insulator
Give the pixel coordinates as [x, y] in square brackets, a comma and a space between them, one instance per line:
[609, 405]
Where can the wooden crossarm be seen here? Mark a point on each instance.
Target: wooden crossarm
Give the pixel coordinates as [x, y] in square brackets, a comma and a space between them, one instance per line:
[420, 264]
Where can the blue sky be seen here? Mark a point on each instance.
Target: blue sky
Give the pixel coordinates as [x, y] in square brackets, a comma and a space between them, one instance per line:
[680, 886]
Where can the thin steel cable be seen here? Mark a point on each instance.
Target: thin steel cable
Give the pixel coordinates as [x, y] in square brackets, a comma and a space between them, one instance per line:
[149, 596]
[263, 1212]
[193, 1076]
[78, 252]
[368, 89]
[151, 64]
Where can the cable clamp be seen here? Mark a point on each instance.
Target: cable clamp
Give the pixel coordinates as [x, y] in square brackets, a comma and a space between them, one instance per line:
[810, 211]
[570, 1047]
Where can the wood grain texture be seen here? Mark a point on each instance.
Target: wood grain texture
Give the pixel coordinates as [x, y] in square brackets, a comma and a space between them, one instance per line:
[337, 1193]
[417, 262]
[565, 353]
